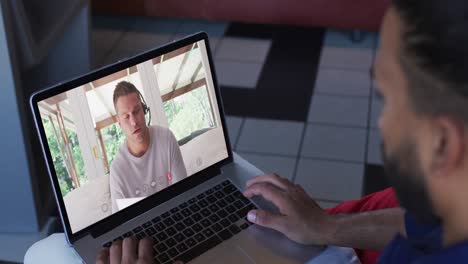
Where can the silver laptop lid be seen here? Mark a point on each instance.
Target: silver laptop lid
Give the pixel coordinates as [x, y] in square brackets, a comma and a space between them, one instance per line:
[84, 138]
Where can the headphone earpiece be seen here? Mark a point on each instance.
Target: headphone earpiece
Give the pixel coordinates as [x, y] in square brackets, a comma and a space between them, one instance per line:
[146, 109]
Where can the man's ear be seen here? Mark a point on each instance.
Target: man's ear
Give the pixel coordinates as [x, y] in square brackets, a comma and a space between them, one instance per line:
[449, 146]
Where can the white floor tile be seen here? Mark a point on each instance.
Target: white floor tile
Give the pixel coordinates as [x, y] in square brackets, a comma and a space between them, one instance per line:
[373, 148]
[346, 58]
[343, 82]
[243, 49]
[283, 166]
[342, 38]
[233, 125]
[334, 142]
[330, 180]
[270, 136]
[339, 110]
[238, 74]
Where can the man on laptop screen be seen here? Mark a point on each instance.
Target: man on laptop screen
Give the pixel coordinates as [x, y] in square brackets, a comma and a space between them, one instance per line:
[150, 159]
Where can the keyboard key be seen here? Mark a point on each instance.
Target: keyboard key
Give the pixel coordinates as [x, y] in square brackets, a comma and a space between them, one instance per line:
[138, 229]
[205, 222]
[216, 227]
[244, 226]
[117, 239]
[208, 232]
[210, 191]
[211, 199]
[108, 244]
[188, 222]
[179, 237]
[233, 218]
[170, 242]
[243, 212]
[161, 247]
[170, 231]
[197, 227]
[183, 205]
[226, 182]
[191, 201]
[214, 218]
[200, 196]
[178, 217]
[195, 208]
[140, 236]
[229, 199]
[147, 224]
[128, 234]
[237, 194]
[214, 208]
[191, 242]
[230, 209]
[173, 252]
[199, 249]
[203, 203]
[163, 258]
[150, 231]
[221, 203]
[234, 229]
[245, 200]
[186, 212]
[166, 214]
[159, 226]
[219, 194]
[238, 204]
[168, 221]
[175, 210]
[225, 234]
[218, 187]
[179, 226]
[205, 212]
[225, 223]
[199, 237]
[181, 247]
[222, 213]
[161, 236]
[196, 217]
[229, 189]
[156, 219]
[188, 232]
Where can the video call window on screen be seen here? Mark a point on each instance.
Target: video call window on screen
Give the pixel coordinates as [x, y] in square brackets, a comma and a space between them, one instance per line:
[85, 138]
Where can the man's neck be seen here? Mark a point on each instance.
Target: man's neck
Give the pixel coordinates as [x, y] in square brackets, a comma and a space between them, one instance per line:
[455, 229]
[139, 149]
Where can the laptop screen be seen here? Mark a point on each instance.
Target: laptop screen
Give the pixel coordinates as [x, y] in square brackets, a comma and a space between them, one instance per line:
[120, 138]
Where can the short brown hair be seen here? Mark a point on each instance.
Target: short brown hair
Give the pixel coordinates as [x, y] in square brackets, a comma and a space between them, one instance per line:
[124, 88]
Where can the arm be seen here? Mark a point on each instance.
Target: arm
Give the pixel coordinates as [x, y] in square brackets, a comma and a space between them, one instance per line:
[368, 230]
[302, 220]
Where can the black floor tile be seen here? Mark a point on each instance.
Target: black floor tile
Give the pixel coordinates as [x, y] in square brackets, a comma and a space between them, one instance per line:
[285, 86]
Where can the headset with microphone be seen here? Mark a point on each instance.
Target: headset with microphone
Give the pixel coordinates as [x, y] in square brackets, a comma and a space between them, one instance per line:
[146, 109]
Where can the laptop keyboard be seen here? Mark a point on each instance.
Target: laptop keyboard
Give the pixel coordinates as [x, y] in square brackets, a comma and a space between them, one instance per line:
[196, 225]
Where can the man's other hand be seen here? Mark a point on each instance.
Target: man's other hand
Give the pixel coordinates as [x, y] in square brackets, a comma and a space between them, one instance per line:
[128, 251]
[300, 218]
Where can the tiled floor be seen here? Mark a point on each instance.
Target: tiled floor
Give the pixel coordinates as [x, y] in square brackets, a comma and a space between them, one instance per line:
[307, 111]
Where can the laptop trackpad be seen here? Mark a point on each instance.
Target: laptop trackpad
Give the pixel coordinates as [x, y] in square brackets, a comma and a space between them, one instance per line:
[224, 254]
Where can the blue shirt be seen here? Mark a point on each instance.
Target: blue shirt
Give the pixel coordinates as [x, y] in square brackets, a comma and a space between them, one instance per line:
[422, 245]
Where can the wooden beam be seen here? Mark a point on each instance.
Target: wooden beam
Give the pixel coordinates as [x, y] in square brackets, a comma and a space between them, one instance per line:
[184, 89]
[103, 149]
[181, 69]
[197, 70]
[106, 122]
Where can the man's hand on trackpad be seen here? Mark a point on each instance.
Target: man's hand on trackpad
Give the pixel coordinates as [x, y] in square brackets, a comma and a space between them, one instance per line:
[300, 218]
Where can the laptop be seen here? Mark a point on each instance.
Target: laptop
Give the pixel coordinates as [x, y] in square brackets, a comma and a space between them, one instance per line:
[198, 218]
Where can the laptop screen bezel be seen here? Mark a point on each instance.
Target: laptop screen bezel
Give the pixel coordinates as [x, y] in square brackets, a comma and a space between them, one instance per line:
[168, 193]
